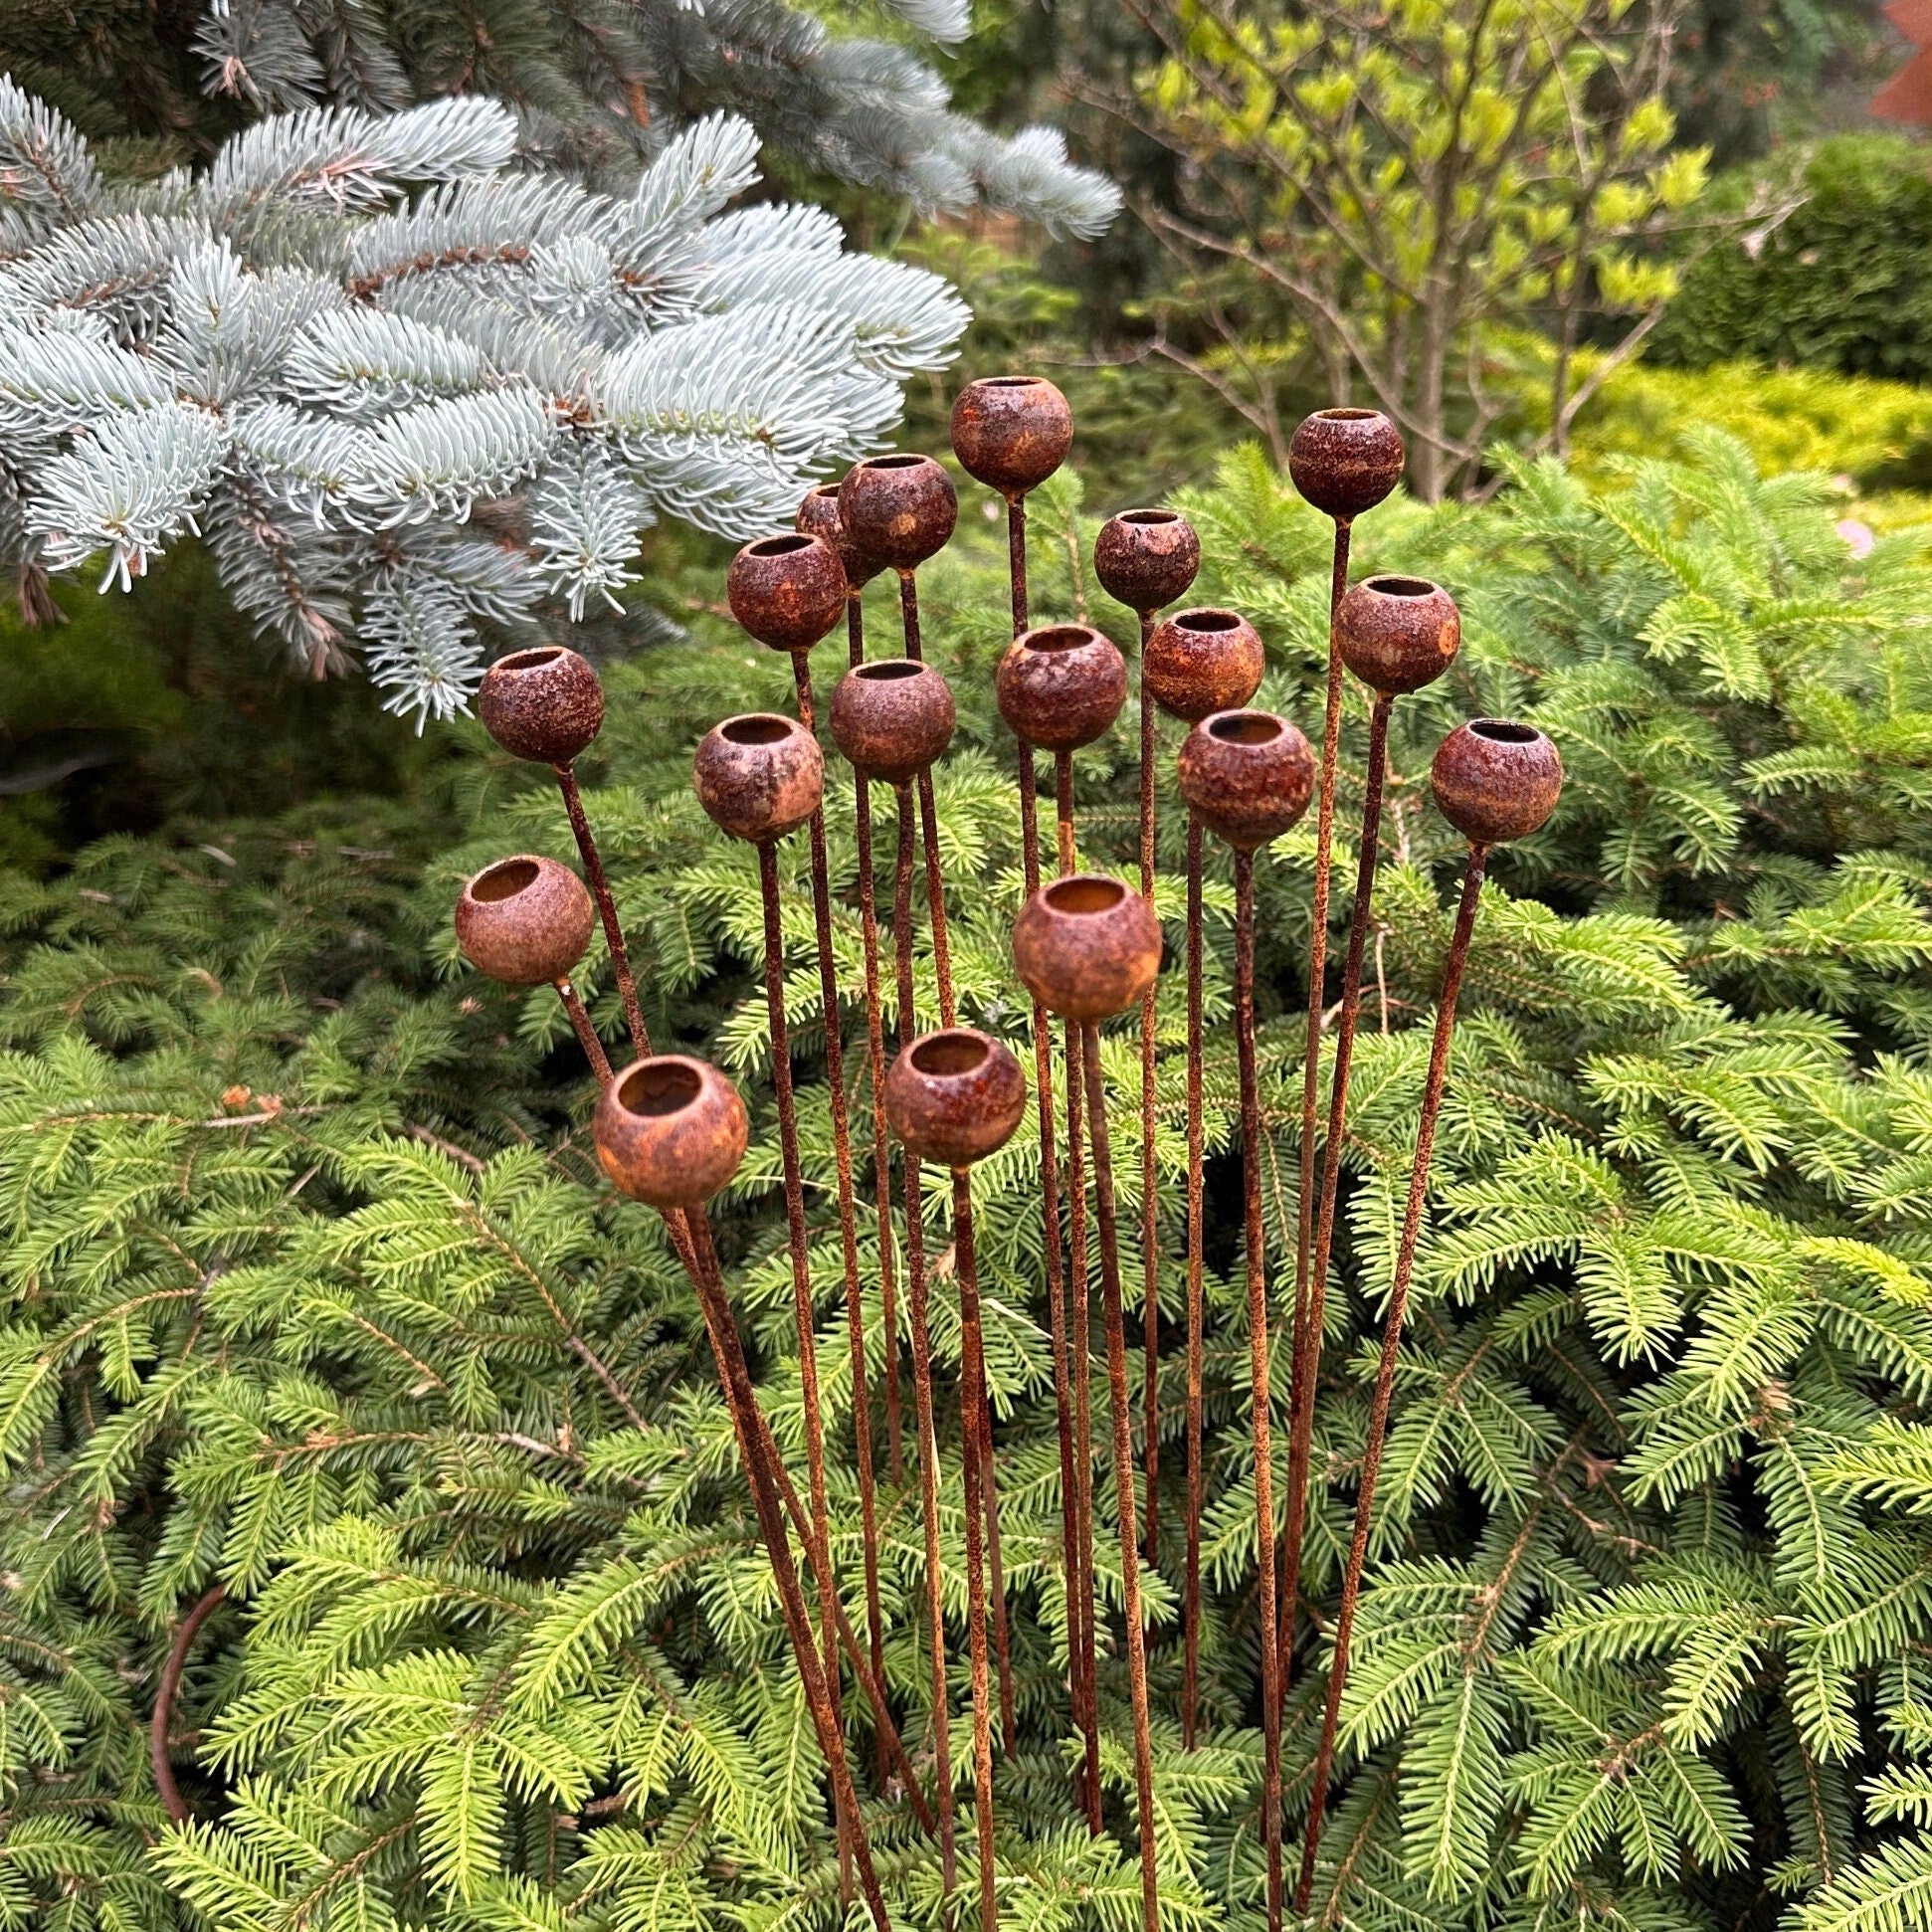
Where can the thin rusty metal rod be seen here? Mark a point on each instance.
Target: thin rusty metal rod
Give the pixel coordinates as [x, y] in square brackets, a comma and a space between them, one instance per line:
[1301, 1417]
[1306, 1344]
[875, 1068]
[1124, 1470]
[929, 819]
[600, 890]
[973, 1401]
[172, 1801]
[835, 1077]
[757, 1449]
[1258, 1358]
[1150, 1314]
[915, 1289]
[1197, 1313]
[586, 1033]
[1438, 1056]
[802, 1299]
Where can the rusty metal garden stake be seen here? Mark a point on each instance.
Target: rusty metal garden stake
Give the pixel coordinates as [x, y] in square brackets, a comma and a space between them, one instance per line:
[1396, 634]
[1494, 781]
[1195, 664]
[1087, 947]
[1247, 776]
[1146, 558]
[1343, 462]
[546, 704]
[954, 1097]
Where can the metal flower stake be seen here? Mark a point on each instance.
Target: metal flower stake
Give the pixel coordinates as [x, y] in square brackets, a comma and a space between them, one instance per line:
[954, 1097]
[788, 592]
[1145, 559]
[1396, 634]
[1193, 665]
[1087, 946]
[1247, 776]
[1495, 781]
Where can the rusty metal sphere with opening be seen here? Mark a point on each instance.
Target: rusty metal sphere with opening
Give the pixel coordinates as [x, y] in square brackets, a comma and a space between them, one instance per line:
[544, 704]
[955, 1096]
[818, 516]
[893, 718]
[1247, 776]
[1345, 461]
[671, 1131]
[759, 776]
[525, 920]
[1011, 432]
[788, 591]
[899, 509]
[1062, 685]
[1146, 558]
[1199, 661]
[1087, 946]
[1495, 780]
[1398, 634]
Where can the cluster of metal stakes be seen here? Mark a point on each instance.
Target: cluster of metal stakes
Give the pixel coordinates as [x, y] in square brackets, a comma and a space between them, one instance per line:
[671, 1131]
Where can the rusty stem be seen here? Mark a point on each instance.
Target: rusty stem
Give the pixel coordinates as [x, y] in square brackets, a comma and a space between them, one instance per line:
[165, 1694]
[915, 1289]
[600, 890]
[802, 1300]
[760, 1454]
[587, 1039]
[835, 1075]
[1124, 1470]
[929, 819]
[1307, 1345]
[1438, 1056]
[1256, 1240]
[1149, 1210]
[973, 1406]
[1301, 1397]
[1190, 1616]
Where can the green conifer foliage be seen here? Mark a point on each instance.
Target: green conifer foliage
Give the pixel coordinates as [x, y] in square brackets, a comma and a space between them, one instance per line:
[313, 1291]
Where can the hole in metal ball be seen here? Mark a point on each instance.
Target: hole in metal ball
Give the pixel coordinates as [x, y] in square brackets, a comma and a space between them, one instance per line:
[1061, 636]
[504, 880]
[1246, 727]
[757, 731]
[659, 1086]
[1150, 516]
[1085, 896]
[1208, 620]
[1347, 415]
[950, 1054]
[889, 670]
[892, 463]
[823, 490]
[1503, 732]
[545, 654]
[1012, 382]
[781, 546]
[1403, 586]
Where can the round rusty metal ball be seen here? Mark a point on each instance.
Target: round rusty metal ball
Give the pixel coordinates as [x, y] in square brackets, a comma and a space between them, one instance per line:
[1495, 780]
[759, 776]
[1247, 776]
[1345, 461]
[893, 718]
[1087, 946]
[1199, 661]
[1012, 432]
[818, 516]
[1146, 558]
[955, 1096]
[1060, 686]
[525, 920]
[787, 591]
[670, 1130]
[543, 705]
[898, 509]
[1398, 634]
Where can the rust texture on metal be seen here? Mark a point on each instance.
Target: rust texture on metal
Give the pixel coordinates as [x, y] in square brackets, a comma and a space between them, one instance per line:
[892, 718]
[1247, 776]
[1146, 558]
[759, 776]
[1495, 780]
[573, 1007]
[525, 920]
[1011, 432]
[1196, 662]
[1197, 1310]
[1087, 946]
[546, 705]
[1062, 685]
[898, 509]
[1398, 634]
[788, 591]
[1345, 461]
